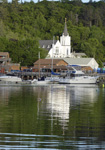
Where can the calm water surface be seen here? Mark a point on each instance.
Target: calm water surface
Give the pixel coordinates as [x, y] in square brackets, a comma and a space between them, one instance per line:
[52, 117]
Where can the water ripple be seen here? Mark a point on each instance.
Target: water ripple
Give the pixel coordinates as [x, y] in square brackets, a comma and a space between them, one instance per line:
[15, 141]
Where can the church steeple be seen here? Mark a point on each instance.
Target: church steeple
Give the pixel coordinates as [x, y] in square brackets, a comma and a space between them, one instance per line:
[65, 32]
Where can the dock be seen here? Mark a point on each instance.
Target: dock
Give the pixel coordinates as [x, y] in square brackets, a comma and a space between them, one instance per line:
[35, 75]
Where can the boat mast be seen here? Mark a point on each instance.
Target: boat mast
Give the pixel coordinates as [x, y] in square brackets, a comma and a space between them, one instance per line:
[39, 63]
[52, 54]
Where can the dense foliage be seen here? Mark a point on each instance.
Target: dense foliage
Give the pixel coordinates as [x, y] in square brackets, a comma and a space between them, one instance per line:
[22, 25]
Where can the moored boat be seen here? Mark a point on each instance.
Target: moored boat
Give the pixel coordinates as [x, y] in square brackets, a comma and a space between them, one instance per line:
[10, 78]
[40, 81]
[78, 77]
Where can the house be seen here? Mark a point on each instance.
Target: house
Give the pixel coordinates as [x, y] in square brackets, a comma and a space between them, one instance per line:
[24, 68]
[60, 65]
[85, 63]
[5, 63]
[47, 64]
[14, 66]
[60, 48]
[4, 58]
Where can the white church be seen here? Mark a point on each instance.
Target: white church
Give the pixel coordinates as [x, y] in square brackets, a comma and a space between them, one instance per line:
[61, 49]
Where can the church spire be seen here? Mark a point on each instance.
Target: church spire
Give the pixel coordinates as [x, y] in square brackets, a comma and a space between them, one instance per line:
[65, 32]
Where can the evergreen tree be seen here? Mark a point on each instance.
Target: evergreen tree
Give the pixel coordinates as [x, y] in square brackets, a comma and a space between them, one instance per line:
[22, 25]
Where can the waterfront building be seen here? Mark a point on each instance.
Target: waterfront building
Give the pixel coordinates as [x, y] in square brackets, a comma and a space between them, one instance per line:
[87, 63]
[46, 65]
[5, 63]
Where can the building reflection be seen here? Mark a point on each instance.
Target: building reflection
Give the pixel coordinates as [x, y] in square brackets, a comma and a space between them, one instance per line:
[81, 94]
[6, 92]
[62, 98]
[58, 103]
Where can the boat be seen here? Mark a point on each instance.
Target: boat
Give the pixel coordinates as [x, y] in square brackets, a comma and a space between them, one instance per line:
[40, 81]
[78, 77]
[10, 78]
[54, 77]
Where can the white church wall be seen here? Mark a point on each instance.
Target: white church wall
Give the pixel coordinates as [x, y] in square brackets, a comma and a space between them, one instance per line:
[56, 50]
[65, 40]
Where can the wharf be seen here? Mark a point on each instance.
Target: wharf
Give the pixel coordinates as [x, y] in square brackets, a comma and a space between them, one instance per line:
[33, 75]
[101, 78]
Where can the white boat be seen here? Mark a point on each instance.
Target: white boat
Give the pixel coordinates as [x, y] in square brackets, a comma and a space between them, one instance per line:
[47, 80]
[10, 78]
[54, 79]
[78, 77]
[40, 81]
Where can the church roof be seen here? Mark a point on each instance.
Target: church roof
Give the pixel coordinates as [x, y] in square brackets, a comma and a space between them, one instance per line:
[46, 44]
[65, 32]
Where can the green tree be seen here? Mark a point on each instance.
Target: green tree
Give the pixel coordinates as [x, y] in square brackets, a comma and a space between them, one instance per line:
[23, 23]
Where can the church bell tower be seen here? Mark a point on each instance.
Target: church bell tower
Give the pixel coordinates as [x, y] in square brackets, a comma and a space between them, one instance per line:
[65, 41]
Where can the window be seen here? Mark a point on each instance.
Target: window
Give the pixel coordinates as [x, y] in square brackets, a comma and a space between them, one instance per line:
[48, 46]
[67, 52]
[57, 50]
[43, 46]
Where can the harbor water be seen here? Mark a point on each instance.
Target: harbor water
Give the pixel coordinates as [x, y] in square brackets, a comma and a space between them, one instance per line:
[52, 117]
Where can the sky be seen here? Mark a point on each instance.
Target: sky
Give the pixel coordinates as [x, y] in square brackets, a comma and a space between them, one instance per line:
[84, 1]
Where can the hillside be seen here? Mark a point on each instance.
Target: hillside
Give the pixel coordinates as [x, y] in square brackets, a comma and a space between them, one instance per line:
[22, 25]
